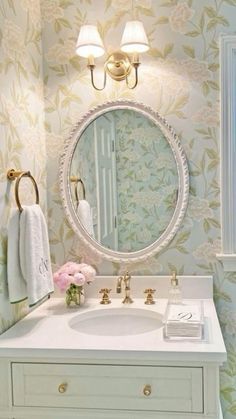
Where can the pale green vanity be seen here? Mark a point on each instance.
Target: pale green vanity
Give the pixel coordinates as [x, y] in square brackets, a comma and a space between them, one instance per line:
[55, 367]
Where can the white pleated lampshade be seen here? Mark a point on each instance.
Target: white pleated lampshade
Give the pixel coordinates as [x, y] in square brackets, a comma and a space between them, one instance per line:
[134, 37]
[89, 42]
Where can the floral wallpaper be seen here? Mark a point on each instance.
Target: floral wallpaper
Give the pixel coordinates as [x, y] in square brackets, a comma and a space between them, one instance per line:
[21, 123]
[179, 77]
[147, 180]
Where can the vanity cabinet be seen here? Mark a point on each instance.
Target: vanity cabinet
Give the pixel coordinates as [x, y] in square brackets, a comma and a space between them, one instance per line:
[109, 390]
[51, 370]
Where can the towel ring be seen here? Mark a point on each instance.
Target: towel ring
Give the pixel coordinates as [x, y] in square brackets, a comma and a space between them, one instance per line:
[76, 190]
[25, 174]
[77, 180]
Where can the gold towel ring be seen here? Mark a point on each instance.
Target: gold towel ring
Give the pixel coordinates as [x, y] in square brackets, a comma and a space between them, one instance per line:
[25, 174]
[76, 190]
[77, 180]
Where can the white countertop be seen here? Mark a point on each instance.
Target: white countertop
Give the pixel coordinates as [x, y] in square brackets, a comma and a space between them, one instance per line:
[46, 333]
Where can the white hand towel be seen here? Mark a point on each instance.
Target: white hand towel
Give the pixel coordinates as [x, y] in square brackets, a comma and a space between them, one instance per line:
[16, 283]
[85, 216]
[34, 254]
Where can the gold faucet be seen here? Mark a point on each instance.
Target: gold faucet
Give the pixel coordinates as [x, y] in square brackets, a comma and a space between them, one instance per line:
[126, 279]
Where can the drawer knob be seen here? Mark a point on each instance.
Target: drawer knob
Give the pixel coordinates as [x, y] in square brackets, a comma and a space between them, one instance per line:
[62, 388]
[147, 390]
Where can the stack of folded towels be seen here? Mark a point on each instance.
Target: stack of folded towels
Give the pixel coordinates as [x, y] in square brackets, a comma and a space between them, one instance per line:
[184, 320]
[28, 258]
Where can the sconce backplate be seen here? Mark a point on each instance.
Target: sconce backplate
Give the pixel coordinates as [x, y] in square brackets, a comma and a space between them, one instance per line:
[118, 66]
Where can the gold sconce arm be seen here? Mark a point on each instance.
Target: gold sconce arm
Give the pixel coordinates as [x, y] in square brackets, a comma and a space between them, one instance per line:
[118, 66]
[91, 66]
[135, 65]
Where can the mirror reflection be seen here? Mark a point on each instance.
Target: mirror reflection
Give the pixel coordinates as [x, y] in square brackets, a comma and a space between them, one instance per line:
[124, 180]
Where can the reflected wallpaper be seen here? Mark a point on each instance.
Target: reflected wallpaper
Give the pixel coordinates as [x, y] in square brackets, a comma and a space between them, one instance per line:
[147, 181]
[179, 77]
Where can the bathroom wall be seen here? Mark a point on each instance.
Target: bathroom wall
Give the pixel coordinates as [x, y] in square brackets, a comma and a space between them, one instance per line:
[21, 123]
[179, 78]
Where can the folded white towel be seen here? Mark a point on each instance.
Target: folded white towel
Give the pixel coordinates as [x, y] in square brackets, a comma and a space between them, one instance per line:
[16, 283]
[184, 320]
[85, 216]
[184, 313]
[34, 254]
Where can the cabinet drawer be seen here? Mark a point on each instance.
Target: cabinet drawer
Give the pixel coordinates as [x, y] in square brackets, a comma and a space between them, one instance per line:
[176, 389]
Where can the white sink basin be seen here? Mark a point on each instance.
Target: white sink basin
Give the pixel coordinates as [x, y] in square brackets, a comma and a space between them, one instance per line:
[116, 321]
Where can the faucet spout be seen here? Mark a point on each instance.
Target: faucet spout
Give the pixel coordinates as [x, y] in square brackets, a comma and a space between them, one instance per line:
[126, 280]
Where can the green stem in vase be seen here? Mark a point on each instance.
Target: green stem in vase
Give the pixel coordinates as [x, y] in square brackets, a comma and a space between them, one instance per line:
[73, 294]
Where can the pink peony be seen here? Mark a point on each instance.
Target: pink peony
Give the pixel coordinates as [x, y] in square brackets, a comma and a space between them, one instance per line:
[70, 267]
[73, 273]
[79, 279]
[88, 271]
[62, 280]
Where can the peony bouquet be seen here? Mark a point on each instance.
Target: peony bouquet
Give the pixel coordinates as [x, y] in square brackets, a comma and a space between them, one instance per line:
[71, 278]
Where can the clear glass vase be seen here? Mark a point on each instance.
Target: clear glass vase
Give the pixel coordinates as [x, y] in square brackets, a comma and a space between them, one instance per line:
[74, 295]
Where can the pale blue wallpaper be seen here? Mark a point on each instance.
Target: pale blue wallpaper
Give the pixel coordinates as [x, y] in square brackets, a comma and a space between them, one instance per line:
[147, 181]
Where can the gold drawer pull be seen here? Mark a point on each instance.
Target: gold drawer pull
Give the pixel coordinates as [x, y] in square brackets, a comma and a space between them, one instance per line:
[62, 388]
[147, 390]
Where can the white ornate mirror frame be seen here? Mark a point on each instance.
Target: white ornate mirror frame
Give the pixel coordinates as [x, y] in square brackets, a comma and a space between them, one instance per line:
[183, 183]
[228, 151]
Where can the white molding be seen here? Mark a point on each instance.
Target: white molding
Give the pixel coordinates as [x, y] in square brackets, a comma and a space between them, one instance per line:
[228, 151]
[183, 187]
[220, 412]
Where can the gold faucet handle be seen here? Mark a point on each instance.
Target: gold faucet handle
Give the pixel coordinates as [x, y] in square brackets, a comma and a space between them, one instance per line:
[105, 298]
[149, 299]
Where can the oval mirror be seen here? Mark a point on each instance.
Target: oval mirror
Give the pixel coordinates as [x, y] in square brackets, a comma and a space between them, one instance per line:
[124, 181]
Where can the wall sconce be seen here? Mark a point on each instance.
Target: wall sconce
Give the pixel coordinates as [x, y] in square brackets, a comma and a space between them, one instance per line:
[120, 63]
